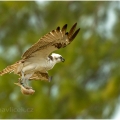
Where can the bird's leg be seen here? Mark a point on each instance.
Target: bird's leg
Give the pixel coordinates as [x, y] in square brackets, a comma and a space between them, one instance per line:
[23, 80]
[26, 84]
[26, 78]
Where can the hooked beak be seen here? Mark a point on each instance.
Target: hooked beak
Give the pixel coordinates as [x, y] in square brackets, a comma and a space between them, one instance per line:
[62, 59]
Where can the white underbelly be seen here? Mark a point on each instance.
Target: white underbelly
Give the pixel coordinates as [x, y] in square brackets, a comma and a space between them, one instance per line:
[37, 65]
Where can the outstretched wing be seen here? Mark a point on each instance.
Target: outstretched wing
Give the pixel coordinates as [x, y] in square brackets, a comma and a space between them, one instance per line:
[40, 76]
[52, 41]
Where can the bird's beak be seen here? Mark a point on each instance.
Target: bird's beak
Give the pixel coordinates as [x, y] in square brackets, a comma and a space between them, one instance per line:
[62, 59]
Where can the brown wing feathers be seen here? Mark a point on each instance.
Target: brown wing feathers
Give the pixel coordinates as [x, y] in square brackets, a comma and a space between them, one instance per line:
[72, 34]
[64, 29]
[58, 38]
[39, 76]
[72, 30]
[69, 36]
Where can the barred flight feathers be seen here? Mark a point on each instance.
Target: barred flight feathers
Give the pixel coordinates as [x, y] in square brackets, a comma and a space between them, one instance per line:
[9, 69]
[52, 41]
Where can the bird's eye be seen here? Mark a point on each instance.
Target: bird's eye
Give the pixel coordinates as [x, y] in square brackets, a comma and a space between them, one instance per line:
[56, 58]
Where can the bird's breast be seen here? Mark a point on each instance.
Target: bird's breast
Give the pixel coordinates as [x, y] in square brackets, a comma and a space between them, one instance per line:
[40, 64]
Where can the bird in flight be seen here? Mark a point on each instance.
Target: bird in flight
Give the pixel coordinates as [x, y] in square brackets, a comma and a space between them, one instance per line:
[38, 60]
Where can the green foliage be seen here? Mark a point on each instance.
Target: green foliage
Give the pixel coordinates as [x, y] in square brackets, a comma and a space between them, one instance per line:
[87, 85]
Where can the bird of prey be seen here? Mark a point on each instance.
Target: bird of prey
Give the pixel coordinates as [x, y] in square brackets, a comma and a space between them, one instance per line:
[37, 60]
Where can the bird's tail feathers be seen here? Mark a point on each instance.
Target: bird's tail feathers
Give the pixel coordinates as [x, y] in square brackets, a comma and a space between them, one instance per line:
[9, 69]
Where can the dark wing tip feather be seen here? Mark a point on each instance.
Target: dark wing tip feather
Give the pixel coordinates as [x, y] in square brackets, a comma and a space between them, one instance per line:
[74, 35]
[64, 28]
[66, 33]
[53, 31]
[58, 29]
[74, 25]
[71, 32]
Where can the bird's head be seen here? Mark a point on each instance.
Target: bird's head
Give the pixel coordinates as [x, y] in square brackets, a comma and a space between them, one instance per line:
[58, 58]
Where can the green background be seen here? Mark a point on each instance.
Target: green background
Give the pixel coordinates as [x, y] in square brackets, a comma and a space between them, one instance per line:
[87, 84]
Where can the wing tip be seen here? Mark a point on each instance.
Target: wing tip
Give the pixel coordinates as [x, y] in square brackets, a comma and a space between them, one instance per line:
[58, 28]
[64, 28]
[75, 24]
[78, 29]
[65, 25]
[74, 35]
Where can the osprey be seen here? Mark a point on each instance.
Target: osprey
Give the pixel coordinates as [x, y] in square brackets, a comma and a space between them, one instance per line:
[37, 60]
